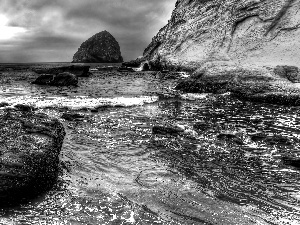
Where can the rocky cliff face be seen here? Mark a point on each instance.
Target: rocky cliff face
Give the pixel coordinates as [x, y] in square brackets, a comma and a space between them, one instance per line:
[261, 32]
[100, 48]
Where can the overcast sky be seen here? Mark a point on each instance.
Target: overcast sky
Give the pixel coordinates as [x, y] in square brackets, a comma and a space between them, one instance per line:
[52, 30]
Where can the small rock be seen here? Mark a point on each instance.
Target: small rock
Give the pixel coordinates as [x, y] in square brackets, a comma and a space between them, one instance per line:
[44, 79]
[167, 130]
[231, 137]
[259, 136]
[24, 108]
[125, 69]
[72, 116]
[290, 161]
[3, 104]
[202, 126]
[65, 79]
[278, 139]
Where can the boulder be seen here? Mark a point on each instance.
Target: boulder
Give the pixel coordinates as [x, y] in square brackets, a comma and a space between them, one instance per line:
[278, 140]
[70, 116]
[125, 69]
[100, 48]
[291, 161]
[202, 126]
[29, 154]
[25, 108]
[255, 83]
[258, 136]
[167, 130]
[231, 137]
[106, 68]
[78, 70]
[133, 63]
[64, 79]
[44, 79]
[3, 104]
[171, 75]
[289, 72]
[61, 79]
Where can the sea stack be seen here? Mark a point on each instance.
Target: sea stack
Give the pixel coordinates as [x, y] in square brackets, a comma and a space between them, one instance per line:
[100, 48]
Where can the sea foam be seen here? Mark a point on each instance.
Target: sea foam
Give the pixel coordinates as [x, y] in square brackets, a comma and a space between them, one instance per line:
[78, 102]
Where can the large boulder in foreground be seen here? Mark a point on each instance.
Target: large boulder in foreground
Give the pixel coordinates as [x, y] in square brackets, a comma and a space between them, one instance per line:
[78, 70]
[61, 79]
[29, 154]
[100, 48]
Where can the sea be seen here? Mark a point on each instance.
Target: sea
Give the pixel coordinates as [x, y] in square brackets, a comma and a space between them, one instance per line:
[228, 165]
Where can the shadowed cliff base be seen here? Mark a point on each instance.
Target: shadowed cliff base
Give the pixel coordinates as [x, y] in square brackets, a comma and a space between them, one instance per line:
[261, 84]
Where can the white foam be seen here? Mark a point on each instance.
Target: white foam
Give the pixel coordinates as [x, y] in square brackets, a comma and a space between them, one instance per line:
[194, 96]
[78, 102]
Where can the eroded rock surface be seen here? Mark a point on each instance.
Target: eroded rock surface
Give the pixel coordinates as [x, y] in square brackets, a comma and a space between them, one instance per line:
[30, 145]
[256, 32]
[253, 83]
[100, 48]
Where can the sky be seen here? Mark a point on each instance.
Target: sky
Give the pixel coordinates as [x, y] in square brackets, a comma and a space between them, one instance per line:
[52, 30]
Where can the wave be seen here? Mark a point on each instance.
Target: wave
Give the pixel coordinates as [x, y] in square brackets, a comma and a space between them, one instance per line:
[78, 102]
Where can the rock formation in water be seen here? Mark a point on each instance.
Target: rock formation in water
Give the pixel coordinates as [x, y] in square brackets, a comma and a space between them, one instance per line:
[61, 79]
[100, 48]
[78, 70]
[29, 155]
[250, 48]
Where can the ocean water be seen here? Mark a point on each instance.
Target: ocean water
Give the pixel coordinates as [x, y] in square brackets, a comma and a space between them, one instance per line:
[116, 171]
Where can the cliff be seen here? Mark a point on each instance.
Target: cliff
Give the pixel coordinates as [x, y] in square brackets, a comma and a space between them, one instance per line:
[250, 48]
[260, 32]
[100, 48]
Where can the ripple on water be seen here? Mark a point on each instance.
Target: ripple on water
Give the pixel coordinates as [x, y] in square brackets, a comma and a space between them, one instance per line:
[116, 171]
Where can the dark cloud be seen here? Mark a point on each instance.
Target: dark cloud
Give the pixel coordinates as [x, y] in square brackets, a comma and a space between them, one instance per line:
[56, 28]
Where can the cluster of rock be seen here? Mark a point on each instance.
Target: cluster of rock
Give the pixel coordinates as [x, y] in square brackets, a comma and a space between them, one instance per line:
[262, 84]
[30, 147]
[79, 71]
[100, 48]
[61, 76]
[4, 68]
[251, 48]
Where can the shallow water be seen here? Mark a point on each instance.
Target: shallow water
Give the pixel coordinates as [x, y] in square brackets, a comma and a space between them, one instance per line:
[115, 171]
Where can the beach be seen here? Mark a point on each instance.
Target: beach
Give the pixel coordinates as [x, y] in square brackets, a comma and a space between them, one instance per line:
[137, 151]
